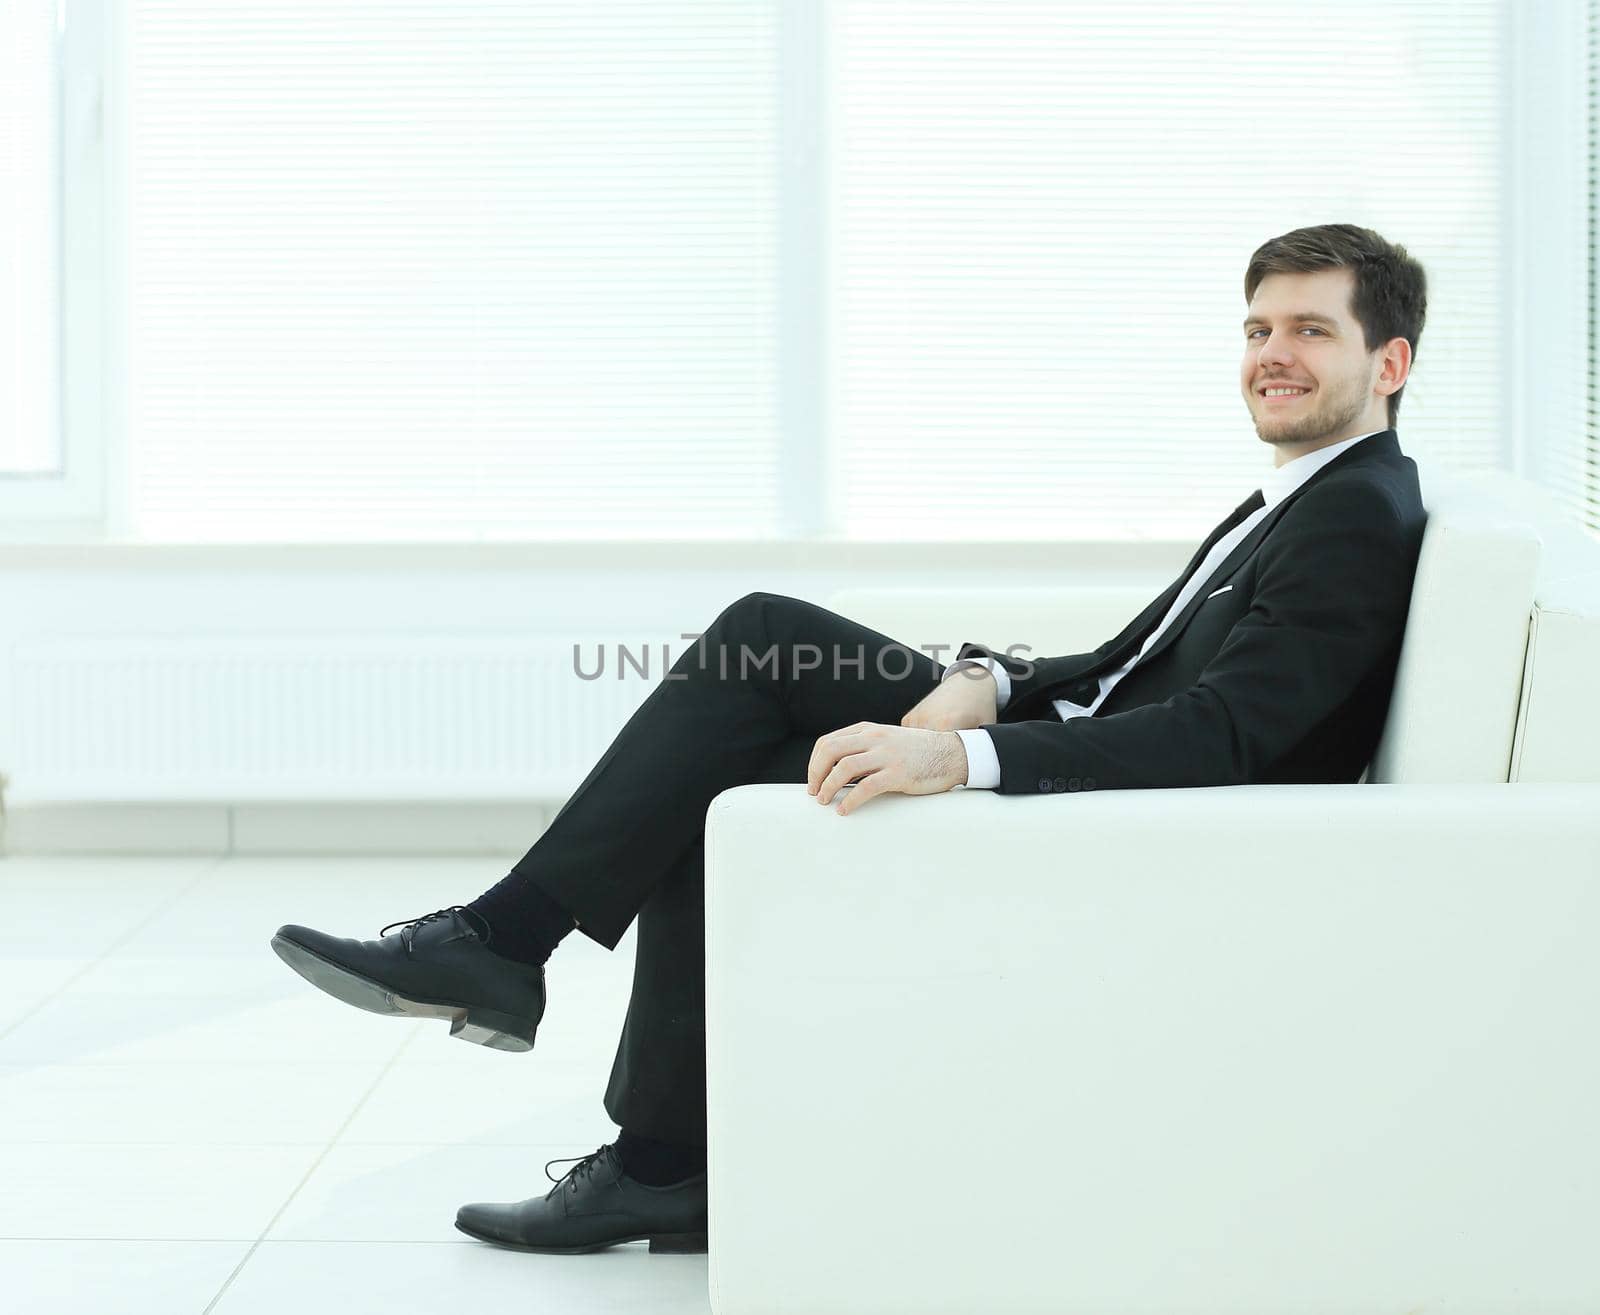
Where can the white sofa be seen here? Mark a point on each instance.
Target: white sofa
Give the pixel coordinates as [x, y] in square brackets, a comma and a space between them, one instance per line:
[1267, 1049]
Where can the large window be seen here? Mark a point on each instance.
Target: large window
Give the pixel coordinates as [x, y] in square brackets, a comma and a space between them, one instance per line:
[451, 270]
[1582, 469]
[30, 378]
[578, 269]
[1042, 218]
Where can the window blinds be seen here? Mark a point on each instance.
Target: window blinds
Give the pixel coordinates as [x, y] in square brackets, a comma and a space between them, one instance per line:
[507, 271]
[1580, 470]
[1041, 217]
[30, 325]
[452, 270]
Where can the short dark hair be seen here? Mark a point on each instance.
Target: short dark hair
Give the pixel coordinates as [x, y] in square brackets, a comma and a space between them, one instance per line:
[1390, 299]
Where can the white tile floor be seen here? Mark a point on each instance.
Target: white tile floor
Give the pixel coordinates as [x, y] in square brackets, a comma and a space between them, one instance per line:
[186, 1126]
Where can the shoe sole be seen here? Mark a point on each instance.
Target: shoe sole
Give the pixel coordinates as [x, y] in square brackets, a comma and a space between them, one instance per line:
[482, 1027]
[667, 1244]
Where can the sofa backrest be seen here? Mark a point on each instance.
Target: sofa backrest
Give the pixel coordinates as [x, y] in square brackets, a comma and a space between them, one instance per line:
[1558, 731]
[1558, 727]
[1453, 716]
[1504, 622]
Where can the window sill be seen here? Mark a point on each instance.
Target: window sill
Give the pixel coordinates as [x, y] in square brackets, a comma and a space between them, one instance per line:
[600, 555]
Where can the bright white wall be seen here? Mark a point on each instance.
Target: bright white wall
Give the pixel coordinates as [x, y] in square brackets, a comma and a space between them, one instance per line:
[98, 599]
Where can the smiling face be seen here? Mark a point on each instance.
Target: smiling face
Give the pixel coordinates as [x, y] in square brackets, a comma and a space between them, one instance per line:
[1300, 334]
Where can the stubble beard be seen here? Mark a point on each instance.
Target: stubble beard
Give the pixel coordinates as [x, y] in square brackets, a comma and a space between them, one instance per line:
[1335, 412]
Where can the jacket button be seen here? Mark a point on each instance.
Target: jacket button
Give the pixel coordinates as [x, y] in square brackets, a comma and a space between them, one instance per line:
[1088, 783]
[1044, 785]
[1061, 783]
[1074, 784]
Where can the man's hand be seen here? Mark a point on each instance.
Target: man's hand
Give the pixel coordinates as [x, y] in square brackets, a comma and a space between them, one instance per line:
[885, 759]
[963, 702]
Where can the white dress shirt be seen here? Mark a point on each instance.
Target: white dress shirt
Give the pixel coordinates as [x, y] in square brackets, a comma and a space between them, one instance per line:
[983, 764]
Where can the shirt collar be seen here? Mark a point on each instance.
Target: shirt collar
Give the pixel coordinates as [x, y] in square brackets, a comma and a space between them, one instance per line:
[1283, 480]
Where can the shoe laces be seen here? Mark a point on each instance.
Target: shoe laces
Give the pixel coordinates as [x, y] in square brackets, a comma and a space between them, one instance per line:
[408, 926]
[585, 1166]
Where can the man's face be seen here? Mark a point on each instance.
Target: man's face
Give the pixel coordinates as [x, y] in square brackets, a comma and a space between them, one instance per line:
[1299, 333]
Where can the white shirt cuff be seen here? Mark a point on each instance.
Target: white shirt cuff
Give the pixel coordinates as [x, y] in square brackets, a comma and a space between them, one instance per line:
[983, 763]
[1002, 678]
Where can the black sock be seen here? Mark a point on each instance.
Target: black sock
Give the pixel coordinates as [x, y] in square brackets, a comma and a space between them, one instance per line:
[659, 1163]
[524, 924]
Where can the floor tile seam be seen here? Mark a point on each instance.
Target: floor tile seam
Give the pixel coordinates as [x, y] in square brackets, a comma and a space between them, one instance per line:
[314, 1065]
[188, 1143]
[205, 1241]
[68, 1143]
[289, 1200]
[157, 1058]
[161, 907]
[245, 1241]
[495, 1144]
[372, 1241]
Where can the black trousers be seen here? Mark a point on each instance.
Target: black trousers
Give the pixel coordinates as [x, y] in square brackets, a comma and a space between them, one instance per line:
[744, 704]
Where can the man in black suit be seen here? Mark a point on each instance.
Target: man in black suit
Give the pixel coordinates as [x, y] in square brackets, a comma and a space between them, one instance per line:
[1270, 659]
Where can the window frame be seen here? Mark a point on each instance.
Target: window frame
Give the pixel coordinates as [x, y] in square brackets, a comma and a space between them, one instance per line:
[70, 502]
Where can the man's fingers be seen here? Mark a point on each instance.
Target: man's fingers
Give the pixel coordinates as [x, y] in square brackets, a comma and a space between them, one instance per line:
[866, 788]
[823, 757]
[844, 771]
[829, 749]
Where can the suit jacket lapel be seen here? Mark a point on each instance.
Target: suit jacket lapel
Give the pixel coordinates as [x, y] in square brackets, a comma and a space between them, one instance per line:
[1379, 448]
[1133, 635]
[1235, 559]
[1372, 449]
[1147, 620]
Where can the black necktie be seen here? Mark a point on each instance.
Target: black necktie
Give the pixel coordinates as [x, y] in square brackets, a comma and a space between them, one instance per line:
[1248, 507]
[1254, 503]
[1158, 609]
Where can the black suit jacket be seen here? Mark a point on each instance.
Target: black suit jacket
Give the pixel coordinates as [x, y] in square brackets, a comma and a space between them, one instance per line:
[1285, 677]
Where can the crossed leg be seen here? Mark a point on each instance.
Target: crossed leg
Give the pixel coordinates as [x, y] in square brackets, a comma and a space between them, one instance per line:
[630, 841]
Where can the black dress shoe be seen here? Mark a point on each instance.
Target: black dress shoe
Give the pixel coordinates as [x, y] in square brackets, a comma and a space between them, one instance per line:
[594, 1206]
[437, 967]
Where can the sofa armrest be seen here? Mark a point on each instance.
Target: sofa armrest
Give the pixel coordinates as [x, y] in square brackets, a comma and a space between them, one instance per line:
[1266, 1047]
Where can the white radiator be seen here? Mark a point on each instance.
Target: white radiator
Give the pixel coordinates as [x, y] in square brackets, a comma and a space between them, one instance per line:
[279, 717]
